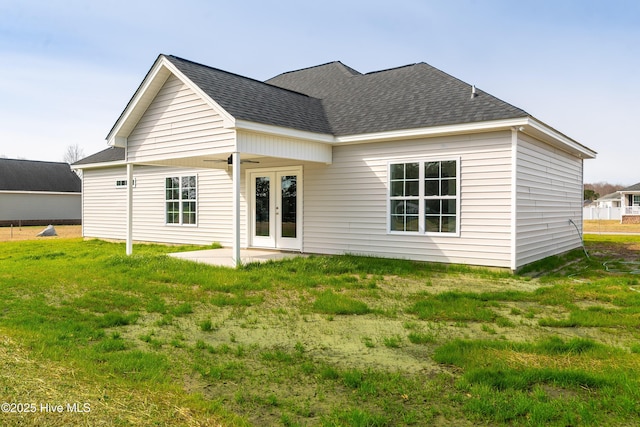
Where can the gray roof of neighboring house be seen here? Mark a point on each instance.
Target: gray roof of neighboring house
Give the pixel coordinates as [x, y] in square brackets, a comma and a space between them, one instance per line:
[634, 187]
[610, 196]
[111, 154]
[29, 175]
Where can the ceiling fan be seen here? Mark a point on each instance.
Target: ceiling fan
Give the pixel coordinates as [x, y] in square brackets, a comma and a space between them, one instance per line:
[229, 160]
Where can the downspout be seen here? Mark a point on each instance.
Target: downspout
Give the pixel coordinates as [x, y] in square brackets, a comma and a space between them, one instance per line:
[514, 198]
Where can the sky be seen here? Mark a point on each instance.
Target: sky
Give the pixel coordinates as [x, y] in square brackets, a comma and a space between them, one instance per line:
[68, 68]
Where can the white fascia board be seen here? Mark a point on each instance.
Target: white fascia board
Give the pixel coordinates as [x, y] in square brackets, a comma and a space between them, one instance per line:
[99, 165]
[380, 136]
[152, 76]
[284, 132]
[564, 140]
[432, 131]
[153, 81]
[528, 123]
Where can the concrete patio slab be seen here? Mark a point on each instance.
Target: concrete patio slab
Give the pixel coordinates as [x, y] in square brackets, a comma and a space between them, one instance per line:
[223, 257]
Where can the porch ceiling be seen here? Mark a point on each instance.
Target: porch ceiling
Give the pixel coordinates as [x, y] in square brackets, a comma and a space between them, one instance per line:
[217, 161]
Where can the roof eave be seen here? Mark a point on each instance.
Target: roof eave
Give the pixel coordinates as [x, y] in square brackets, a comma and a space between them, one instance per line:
[99, 165]
[527, 124]
[251, 126]
[432, 131]
[558, 139]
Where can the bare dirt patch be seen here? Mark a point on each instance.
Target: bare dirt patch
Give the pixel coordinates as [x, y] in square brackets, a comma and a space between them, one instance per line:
[11, 234]
[609, 226]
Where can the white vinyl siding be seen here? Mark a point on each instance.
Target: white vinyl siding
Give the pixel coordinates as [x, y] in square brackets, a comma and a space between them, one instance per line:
[105, 206]
[345, 203]
[178, 124]
[549, 185]
[283, 148]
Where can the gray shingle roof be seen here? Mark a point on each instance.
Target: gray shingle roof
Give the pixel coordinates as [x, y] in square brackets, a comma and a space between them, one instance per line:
[255, 101]
[29, 175]
[111, 154]
[335, 99]
[634, 187]
[610, 196]
[412, 96]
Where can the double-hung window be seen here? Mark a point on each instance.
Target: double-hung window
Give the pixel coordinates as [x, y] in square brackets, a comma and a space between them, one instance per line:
[424, 197]
[181, 200]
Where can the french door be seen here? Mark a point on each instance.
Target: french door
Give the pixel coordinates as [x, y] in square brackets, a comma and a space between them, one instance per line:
[276, 208]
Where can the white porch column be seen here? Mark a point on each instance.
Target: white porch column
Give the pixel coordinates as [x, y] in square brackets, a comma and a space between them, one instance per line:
[514, 198]
[236, 208]
[129, 208]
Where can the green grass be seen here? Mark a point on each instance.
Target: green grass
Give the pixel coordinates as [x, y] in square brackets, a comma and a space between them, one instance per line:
[508, 382]
[408, 343]
[329, 302]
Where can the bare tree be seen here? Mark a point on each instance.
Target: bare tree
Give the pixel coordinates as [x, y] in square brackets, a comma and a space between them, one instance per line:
[73, 153]
[603, 188]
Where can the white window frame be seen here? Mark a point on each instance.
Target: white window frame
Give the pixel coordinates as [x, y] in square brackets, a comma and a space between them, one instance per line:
[421, 198]
[180, 201]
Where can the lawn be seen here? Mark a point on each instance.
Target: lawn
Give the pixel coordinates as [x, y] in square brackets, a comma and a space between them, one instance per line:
[89, 336]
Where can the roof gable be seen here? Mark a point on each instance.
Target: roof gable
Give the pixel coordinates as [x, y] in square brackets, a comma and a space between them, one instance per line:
[255, 101]
[28, 175]
[153, 82]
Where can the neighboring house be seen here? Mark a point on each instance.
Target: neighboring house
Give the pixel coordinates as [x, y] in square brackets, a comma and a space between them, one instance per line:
[38, 193]
[606, 207]
[408, 162]
[611, 200]
[630, 202]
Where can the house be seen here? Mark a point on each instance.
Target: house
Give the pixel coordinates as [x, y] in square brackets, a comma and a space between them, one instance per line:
[408, 162]
[38, 193]
[611, 200]
[630, 202]
[604, 208]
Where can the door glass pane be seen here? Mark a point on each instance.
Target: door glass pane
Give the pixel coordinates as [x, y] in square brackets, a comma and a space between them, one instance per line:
[261, 226]
[288, 185]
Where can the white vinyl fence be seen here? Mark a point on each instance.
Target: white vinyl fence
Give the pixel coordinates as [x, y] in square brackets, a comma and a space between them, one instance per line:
[602, 213]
